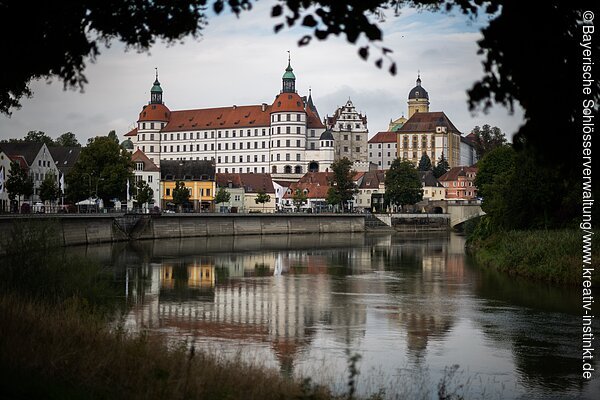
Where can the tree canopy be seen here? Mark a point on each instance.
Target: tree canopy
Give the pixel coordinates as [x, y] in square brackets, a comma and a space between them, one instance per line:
[402, 184]
[102, 169]
[441, 167]
[342, 186]
[487, 139]
[18, 183]
[425, 163]
[181, 194]
[49, 190]
[143, 193]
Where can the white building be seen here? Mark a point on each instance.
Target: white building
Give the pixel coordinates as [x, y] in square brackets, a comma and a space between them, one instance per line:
[145, 170]
[383, 149]
[281, 138]
[350, 133]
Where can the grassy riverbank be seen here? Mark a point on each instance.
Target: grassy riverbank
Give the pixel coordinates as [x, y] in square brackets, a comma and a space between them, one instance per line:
[58, 353]
[553, 256]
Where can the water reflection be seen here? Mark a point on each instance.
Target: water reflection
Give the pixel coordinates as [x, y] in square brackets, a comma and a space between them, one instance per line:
[301, 303]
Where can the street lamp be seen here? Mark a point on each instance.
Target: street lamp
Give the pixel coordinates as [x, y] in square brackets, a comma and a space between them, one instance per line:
[97, 180]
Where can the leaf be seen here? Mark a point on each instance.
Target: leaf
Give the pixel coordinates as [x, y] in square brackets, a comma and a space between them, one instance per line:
[393, 69]
[309, 21]
[276, 11]
[379, 62]
[386, 50]
[364, 52]
[278, 27]
[218, 6]
[304, 41]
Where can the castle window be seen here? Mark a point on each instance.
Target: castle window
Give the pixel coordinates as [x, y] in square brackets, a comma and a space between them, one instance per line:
[298, 118]
[287, 117]
[298, 143]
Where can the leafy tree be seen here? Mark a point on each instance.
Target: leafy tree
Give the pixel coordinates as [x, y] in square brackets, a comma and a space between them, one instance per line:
[342, 187]
[181, 194]
[222, 196]
[112, 135]
[487, 139]
[262, 198]
[492, 165]
[299, 198]
[49, 190]
[402, 184]
[144, 193]
[425, 163]
[102, 165]
[441, 168]
[38, 137]
[67, 139]
[18, 183]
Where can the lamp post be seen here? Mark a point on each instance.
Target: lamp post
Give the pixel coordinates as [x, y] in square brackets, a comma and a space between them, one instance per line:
[97, 180]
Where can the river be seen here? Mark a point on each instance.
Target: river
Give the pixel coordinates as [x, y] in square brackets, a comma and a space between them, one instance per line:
[414, 308]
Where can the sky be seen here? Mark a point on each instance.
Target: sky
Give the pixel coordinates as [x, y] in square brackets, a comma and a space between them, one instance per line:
[241, 61]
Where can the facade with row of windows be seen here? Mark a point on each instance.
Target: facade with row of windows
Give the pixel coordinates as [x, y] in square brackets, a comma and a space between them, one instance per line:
[282, 138]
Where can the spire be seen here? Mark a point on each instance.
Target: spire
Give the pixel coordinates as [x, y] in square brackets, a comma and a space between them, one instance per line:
[419, 78]
[289, 79]
[156, 91]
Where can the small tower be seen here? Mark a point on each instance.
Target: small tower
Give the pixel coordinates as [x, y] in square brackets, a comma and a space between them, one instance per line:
[418, 99]
[289, 79]
[156, 91]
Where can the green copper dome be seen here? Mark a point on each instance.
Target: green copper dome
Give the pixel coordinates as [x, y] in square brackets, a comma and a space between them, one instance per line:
[289, 74]
[156, 88]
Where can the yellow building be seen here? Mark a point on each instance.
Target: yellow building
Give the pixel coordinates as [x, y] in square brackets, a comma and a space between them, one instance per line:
[198, 176]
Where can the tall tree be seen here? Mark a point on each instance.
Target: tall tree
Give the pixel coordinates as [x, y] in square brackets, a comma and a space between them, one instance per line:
[487, 139]
[492, 165]
[222, 196]
[181, 194]
[143, 193]
[402, 184]
[112, 135]
[67, 139]
[425, 163]
[103, 167]
[299, 198]
[262, 198]
[18, 183]
[342, 187]
[49, 190]
[441, 168]
[38, 137]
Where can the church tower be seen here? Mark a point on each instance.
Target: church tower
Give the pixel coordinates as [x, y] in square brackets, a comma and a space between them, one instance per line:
[418, 99]
[156, 91]
[289, 79]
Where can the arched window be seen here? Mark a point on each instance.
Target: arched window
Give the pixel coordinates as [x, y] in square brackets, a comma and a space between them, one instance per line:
[274, 169]
[287, 169]
[298, 169]
[313, 167]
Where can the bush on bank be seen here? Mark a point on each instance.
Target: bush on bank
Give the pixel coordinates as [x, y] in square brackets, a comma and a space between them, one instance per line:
[554, 256]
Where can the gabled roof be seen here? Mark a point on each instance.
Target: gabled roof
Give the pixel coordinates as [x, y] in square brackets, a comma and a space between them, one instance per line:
[313, 190]
[140, 156]
[20, 160]
[28, 150]
[372, 179]
[65, 157]
[454, 173]
[189, 170]
[384, 137]
[219, 118]
[428, 179]
[312, 119]
[427, 122]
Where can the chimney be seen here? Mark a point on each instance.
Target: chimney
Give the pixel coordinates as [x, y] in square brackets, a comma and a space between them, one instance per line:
[263, 107]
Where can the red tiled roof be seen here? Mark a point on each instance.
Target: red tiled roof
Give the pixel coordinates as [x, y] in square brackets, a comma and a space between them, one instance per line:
[149, 166]
[287, 102]
[453, 173]
[219, 118]
[132, 132]
[251, 183]
[313, 120]
[384, 137]
[319, 178]
[19, 159]
[427, 122]
[155, 112]
[315, 191]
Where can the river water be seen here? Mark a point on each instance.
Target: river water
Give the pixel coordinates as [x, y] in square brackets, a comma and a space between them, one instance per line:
[415, 309]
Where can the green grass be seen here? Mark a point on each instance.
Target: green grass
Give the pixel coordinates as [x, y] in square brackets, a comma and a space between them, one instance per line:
[552, 256]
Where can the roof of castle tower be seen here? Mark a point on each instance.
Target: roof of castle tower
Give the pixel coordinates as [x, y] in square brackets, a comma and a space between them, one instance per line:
[155, 112]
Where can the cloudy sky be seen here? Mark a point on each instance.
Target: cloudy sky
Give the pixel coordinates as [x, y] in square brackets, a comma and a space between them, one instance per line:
[241, 61]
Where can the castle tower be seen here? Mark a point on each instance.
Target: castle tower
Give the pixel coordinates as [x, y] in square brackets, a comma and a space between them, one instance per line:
[418, 99]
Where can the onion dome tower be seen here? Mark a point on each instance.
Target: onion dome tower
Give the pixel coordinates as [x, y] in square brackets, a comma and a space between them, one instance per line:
[418, 99]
